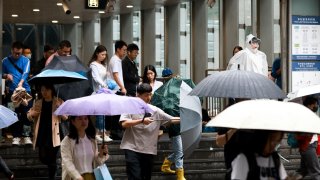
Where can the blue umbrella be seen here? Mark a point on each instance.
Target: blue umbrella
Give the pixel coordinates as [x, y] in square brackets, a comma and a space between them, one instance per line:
[56, 77]
[7, 117]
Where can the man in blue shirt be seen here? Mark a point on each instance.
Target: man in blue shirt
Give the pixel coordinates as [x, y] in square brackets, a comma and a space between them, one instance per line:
[15, 70]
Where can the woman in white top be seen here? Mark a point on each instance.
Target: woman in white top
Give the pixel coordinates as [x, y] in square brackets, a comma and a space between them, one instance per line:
[260, 161]
[79, 150]
[149, 76]
[98, 68]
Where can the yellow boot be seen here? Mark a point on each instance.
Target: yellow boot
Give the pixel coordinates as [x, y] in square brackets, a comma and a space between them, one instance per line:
[180, 174]
[166, 167]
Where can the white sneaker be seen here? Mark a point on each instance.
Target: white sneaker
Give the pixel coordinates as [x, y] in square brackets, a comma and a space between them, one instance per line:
[16, 141]
[98, 138]
[107, 139]
[27, 140]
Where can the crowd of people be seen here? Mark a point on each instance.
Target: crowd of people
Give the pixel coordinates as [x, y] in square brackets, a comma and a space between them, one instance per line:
[138, 133]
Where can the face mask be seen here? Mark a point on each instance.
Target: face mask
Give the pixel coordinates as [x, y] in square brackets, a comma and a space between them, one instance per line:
[315, 109]
[28, 56]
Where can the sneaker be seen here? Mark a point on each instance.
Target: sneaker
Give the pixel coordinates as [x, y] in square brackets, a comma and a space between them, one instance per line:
[107, 139]
[98, 138]
[27, 141]
[16, 141]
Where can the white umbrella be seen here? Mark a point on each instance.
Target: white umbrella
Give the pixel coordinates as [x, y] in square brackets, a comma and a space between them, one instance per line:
[7, 117]
[305, 91]
[191, 120]
[268, 115]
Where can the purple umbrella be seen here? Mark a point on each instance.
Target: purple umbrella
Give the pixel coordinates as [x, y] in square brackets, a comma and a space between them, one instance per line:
[103, 104]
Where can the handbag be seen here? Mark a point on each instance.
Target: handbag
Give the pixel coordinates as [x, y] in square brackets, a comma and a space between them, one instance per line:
[102, 173]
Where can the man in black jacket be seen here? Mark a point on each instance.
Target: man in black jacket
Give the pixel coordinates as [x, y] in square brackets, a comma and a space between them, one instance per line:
[130, 71]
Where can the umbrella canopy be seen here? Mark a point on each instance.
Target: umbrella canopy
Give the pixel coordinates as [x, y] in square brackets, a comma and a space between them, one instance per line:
[73, 89]
[238, 84]
[305, 91]
[268, 115]
[172, 98]
[191, 120]
[103, 104]
[7, 117]
[56, 77]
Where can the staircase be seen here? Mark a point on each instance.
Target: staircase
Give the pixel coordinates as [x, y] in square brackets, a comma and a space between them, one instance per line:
[206, 163]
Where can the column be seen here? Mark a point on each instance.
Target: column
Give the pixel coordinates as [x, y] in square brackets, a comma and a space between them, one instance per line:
[199, 40]
[126, 28]
[107, 34]
[148, 32]
[172, 35]
[73, 33]
[91, 38]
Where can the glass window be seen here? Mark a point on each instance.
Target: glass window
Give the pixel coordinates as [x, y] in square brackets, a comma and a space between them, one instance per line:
[245, 19]
[213, 35]
[276, 26]
[159, 39]
[116, 29]
[185, 40]
[137, 36]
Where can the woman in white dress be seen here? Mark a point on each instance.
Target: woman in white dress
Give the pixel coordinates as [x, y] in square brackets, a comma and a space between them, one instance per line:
[98, 68]
[149, 76]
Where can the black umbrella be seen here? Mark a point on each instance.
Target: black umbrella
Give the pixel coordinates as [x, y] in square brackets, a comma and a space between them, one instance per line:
[74, 89]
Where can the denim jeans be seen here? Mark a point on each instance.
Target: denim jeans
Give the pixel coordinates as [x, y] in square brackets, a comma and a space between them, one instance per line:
[177, 156]
[100, 123]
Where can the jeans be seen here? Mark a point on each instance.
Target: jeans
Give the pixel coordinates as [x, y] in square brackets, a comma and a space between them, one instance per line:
[100, 123]
[138, 165]
[21, 128]
[177, 156]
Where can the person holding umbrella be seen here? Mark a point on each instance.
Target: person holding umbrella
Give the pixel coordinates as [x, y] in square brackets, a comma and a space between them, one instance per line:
[98, 68]
[47, 136]
[141, 135]
[79, 150]
[308, 144]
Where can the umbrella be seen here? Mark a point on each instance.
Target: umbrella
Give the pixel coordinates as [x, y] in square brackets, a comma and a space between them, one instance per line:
[305, 91]
[56, 77]
[268, 115]
[7, 117]
[172, 98]
[191, 120]
[103, 104]
[238, 84]
[73, 89]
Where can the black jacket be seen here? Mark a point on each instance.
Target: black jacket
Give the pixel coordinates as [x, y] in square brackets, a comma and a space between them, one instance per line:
[130, 76]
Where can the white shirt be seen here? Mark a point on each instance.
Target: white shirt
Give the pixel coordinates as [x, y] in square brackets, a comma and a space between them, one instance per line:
[84, 155]
[115, 65]
[156, 85]
[99, 75]
[240, 168]
[143, 138]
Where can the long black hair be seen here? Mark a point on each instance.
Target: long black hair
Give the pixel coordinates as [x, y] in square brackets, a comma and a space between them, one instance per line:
[73, 133]
[98, 50]
[145, 72]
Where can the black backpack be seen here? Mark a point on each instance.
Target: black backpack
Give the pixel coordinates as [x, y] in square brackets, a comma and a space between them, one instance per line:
[254, 172]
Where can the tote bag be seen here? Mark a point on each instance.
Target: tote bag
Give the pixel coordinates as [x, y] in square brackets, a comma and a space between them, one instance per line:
[102, 173]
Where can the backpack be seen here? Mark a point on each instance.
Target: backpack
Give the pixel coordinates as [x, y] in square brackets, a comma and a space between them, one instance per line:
[254, 172]
[292, 140]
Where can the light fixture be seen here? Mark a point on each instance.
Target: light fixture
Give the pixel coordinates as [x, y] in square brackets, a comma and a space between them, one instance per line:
[19, 28]
[36, 10]
[54, 21]
[129, 6]
[76, 17]
[66, 7]
[59, 4]
[101, 12]
[14, 15]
